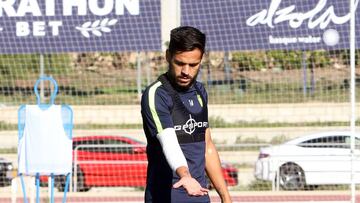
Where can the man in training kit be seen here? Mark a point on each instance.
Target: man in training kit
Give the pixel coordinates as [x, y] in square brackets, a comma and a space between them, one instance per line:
[175, 120]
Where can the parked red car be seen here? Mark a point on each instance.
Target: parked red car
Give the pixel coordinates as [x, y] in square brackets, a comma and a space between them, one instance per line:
[114, 161]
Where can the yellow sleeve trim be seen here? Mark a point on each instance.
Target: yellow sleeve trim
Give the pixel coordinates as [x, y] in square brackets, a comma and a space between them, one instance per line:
[154, 114]
[200, 100]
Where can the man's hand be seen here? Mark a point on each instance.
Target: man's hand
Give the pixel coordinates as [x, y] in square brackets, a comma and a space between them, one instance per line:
[192, 186]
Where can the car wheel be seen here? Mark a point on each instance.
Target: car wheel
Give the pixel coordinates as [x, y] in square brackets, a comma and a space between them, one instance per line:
[80, 182]
[209, 185]
[60, 182]
[292, 177]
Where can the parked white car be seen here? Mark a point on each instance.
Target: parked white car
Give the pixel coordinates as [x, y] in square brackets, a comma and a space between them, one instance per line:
[316, 159]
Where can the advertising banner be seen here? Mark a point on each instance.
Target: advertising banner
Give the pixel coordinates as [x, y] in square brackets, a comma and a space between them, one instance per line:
[272, 24]
[45, 26]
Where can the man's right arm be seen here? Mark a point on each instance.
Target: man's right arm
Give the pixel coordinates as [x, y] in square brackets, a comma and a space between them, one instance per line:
[177, 162]
[171, 149]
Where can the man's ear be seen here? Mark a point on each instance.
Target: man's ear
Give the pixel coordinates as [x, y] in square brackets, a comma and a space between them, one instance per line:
[168, 56]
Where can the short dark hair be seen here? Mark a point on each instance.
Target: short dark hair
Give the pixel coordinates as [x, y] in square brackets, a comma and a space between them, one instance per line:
[186, 38]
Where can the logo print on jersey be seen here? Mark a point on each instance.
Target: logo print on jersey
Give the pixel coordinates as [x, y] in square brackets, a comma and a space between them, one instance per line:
[191, 103]
[190, 125]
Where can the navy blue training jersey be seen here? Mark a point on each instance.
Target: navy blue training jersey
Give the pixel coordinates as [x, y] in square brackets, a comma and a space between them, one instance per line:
[163, 107]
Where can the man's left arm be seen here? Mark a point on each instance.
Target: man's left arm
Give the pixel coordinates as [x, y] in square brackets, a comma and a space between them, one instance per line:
[213, 169]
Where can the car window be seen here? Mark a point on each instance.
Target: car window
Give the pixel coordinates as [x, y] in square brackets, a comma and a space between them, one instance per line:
[105, 146]
[339, 141]
[85, 142]
[123, 147]
[357, 142]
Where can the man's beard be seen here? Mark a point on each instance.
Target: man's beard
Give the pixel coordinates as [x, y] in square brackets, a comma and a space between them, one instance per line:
[173, 79]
